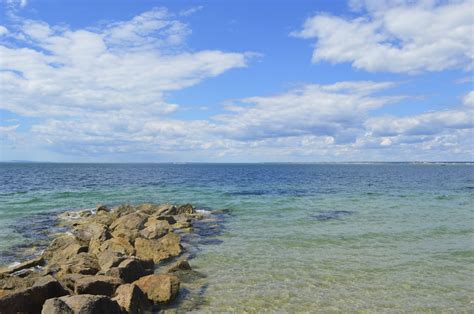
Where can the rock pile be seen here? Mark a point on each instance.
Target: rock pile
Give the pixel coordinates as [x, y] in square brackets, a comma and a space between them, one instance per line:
[105, 265]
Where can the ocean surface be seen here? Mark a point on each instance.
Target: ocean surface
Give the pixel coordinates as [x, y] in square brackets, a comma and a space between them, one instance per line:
[298, 237]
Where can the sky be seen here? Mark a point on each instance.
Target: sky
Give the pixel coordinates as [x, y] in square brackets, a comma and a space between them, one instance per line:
[236, 81]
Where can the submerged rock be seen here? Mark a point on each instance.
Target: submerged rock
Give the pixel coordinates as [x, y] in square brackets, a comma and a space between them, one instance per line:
[178, 266]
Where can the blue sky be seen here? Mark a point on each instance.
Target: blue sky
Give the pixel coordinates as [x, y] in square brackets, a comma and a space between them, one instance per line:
[236, 81]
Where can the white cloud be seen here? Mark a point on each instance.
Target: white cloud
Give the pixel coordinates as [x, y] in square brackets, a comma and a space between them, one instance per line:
[335, 110]
[123, 66]
[191, 11]
[3, 30]
[397, 36]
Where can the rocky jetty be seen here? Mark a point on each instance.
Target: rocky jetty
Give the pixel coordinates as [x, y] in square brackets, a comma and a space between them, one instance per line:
[111, 261]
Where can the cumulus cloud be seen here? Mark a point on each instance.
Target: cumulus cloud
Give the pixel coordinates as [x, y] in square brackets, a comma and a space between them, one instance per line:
[400, 36]
[124, 66]
[336, 110]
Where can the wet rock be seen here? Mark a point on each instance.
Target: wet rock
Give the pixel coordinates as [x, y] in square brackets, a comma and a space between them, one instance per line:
[186, 209]
[30, 300]
[161, 288]
[181, 265]
[170, 219]
[102, 208]
[131, 299]
[101, 285]
[158, 250]
[129, 270]
[27, 264]
[82, 304]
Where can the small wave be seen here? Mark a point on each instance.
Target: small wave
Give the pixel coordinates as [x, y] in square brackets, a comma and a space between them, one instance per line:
[14, 264]
[333, 214]
[204, 212]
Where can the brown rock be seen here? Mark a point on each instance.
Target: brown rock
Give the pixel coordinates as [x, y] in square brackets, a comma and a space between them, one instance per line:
[63, 248]
[131, 299]
[124, 209]
[178, 266]
[103, 208]
[158, 250]
[101, 285]
[128, 226]
[156, 230]
[109, 259]
[14, 282]
[186, 209]
[31, 299]
[161, 288]
[27, 264]
[129, 270]
[82, 304]
[83, 263]
[56, 306]
[117, 245]
[85, 232]
[170, 219]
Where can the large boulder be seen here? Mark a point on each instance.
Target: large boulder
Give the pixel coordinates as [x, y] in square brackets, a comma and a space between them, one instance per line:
[83, 263]
[129, 270]
[30, 300]
[63, 248]
[131, 299]
[109, 259]
[161, 288]
[82, 304]
[56, 306]
[129, 225]
[85, 232]
[158, 250]
[101, 285]
[117, 245]
[155, 229]
[9, 283]
[153, 209]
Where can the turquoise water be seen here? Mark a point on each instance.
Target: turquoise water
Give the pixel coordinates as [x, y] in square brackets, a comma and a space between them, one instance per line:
[300, 238]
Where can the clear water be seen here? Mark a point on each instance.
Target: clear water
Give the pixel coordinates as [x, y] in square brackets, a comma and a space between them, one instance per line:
[301, 238]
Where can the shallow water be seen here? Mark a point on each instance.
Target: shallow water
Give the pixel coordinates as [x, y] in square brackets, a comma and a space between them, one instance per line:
[300, 238]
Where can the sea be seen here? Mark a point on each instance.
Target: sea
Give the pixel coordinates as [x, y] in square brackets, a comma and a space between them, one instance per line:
[295, 238]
